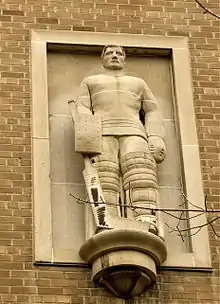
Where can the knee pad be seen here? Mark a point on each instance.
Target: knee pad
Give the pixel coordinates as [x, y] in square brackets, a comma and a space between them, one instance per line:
[108, 172]
[148, 195]
[138, 171]
[140, 184]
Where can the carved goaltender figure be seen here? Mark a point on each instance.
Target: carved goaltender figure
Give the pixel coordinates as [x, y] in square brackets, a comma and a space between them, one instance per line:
[131, 146]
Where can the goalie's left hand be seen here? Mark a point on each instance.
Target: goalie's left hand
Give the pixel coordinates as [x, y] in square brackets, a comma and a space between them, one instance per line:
[157, 148]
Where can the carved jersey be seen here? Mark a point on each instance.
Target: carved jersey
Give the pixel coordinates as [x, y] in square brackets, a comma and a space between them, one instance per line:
[117, 100]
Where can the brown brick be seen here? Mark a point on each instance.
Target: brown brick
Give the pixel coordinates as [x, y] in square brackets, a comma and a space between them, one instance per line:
[51, 290]
[4, 290]
[10, 266]
[5, 18]
[24, 290]
[11, 282]
[47, 20]
[12, 75]
[13, 12]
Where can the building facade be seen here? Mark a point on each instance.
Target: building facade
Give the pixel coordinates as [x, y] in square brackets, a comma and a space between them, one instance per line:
[25, 279]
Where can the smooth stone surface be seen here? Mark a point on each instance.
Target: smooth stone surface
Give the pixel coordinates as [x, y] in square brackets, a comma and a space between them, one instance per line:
[118, 239]
[127, 273]
[124, 256]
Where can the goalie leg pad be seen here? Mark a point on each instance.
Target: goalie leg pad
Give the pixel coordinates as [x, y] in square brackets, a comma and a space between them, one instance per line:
[140, 182]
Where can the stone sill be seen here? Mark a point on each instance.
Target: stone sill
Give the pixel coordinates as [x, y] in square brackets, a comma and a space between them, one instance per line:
[85, 265]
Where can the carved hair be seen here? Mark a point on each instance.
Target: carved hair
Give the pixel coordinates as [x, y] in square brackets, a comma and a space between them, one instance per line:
[112, 46]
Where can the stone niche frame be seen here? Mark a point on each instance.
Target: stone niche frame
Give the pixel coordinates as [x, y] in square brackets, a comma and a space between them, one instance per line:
[199, 257]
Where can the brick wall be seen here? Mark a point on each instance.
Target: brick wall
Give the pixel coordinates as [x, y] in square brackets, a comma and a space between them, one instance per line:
[20, 281]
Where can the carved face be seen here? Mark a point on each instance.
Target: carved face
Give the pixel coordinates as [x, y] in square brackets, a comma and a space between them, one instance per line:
[113, 58]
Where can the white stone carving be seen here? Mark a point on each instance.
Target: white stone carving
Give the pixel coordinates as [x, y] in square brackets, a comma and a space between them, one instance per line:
[95, 195]
[108, 106]
[88, 134]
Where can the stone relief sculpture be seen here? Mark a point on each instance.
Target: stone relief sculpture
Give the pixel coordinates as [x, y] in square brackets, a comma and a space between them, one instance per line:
[117, 142]
[119, 130]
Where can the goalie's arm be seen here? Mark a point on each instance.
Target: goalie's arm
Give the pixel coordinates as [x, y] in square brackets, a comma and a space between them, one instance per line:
[154, 123]
[83, 100]
[82, 103]
[88, 130]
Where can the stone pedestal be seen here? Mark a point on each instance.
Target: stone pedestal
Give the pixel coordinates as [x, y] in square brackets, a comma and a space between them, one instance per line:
[124, 260]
